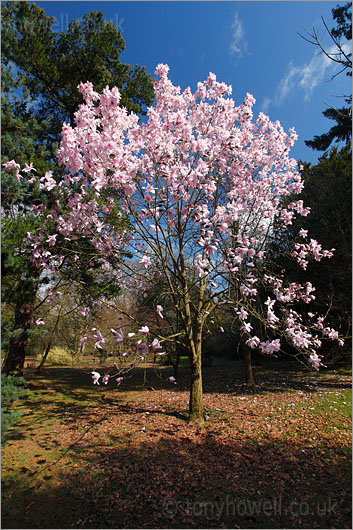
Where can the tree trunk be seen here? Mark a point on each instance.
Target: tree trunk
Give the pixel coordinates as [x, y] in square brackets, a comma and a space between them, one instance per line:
[44, 358]
[177, 360]
[26, 293]
[48, 348]
[249, 378]
[196, 413]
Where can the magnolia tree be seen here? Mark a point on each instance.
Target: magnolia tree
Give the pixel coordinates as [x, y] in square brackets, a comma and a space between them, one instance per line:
[199, 186]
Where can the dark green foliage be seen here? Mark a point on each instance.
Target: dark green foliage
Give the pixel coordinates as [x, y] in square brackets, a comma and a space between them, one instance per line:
[327, 192]
[343, 17]
[53, 64]
[341, 132]
[12, 389]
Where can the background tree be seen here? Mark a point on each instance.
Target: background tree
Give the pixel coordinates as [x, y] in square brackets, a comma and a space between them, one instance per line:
[53, 64]
[327, 191]
[340, 55]
[41, 71]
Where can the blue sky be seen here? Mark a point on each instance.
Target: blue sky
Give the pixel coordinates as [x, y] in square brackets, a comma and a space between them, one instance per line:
[254, 46]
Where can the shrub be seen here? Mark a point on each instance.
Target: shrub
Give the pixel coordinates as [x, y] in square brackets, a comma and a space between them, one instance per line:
[12, 389]
[58, 356]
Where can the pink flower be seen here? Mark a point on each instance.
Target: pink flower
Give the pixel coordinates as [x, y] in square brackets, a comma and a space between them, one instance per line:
[270, 347]
[155, 345]
[246, 327]
[315, 361]
[159, 309]
[11, 164]
[146, 261]
[253, 342]
[40, 322]
[99, 338]
[144, 331]
[142, 349]
[221, 329]
[172, 379]
[119, 337]
[29, 168]
[51, 240]
[118, 380]
[106, 379]
[95, 377]
[242, 313]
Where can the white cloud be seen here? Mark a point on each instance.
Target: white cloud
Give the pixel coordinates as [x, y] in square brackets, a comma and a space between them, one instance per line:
[265, 105]
[238, 44]
[305, 78]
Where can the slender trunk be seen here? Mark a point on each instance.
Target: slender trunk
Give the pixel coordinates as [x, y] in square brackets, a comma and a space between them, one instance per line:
[177, 360]
[44, 358]
[249, 378]
[196, 412]
[48, 348]
[26, 293]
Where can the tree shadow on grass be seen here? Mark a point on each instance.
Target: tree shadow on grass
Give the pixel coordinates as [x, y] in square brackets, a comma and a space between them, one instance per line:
[277, 377]
[197, 480]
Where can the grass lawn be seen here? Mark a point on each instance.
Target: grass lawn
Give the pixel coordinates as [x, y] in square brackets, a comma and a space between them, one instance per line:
[84, 456]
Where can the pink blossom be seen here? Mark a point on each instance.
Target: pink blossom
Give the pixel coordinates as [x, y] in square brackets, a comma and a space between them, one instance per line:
[118, 380]
[10, 165]
[52, 239]
[99, 338]
[242, 313]
[155, 345]
[142, 349]
[270, 347]
[29, 168]
[106, 379]
[119, 337]
[246, 327]
[95, 377]
[172, 379]
[146, 261]
[144, 331]
[315, 361]
[253, 342]
[159, 309]
[40, 322]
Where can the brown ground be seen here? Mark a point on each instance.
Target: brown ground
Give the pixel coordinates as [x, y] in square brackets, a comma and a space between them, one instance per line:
[84, 456]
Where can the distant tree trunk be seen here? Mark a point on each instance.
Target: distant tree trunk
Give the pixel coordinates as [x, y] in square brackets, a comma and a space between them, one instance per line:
[249, 378]
[48, 348]
[26, 294]
[177, 360]
[46, 353]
